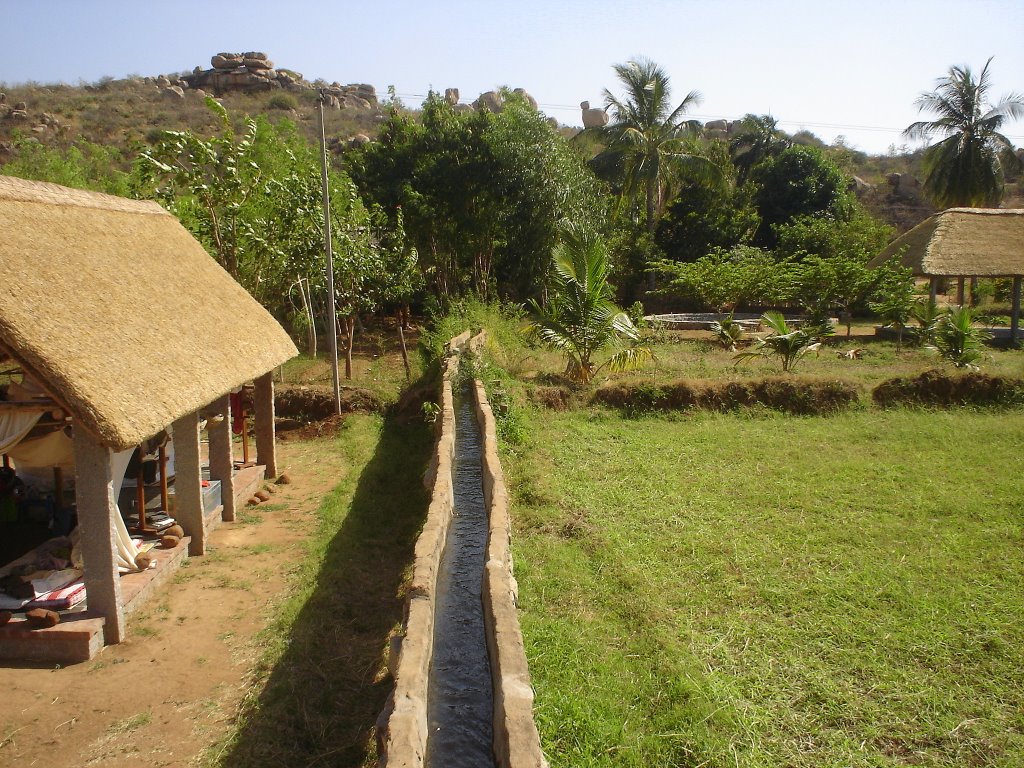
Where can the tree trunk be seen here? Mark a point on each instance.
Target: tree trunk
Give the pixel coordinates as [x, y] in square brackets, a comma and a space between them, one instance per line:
[350, 331]
[405, 353]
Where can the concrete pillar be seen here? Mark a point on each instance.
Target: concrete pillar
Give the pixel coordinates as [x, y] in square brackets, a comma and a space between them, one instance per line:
[266, 447]
[1015, 313]
[96, 501]
[222, 462]
[188, 487]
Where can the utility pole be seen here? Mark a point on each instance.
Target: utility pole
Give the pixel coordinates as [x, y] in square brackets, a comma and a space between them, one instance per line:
[332, 336]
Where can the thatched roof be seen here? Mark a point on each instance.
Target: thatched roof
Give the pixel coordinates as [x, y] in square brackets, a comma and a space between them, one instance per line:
[121, 313]
[984, 242]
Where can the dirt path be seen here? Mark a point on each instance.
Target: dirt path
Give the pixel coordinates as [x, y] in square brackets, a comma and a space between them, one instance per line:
[172, 688]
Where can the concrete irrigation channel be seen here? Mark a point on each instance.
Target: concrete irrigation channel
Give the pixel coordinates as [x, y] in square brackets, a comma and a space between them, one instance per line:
[462, 694]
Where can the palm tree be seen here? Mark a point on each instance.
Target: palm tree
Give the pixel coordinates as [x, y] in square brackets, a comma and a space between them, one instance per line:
[580, 319]
[965, 168]
[758, 138]
[646, 142]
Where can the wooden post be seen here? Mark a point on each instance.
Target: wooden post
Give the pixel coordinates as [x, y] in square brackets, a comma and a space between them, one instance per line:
[1015, 313]
[188, 485]
[405, 353]
[266, 448]
[960, 285]
[140, 500]
[58, 490]
[245, 430]
[933, 288]
[96, 500]
[165, 501]
[222, 462]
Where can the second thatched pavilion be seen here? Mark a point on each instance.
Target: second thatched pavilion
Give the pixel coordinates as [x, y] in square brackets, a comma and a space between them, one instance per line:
[962, 243]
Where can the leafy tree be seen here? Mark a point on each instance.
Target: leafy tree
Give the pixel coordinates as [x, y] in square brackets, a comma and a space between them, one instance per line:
[482, 194]
[757, 139]
[799, 181]
[789, 345]
[893, 298]
[724, 280]
[703, 217]
[860, 237]
[837, 283]
[580, 320]
[208, 183]
[965, 168]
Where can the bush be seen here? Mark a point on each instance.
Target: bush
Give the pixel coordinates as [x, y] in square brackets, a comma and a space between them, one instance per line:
[935, 388]
[814, 397]
[283, 101]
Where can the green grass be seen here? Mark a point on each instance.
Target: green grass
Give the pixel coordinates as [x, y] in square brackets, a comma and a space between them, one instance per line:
[755, 590]
[321, 681]
[695, 356]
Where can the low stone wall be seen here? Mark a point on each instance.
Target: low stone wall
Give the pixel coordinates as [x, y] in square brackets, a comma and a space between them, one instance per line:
[516, 741]
[402, 726]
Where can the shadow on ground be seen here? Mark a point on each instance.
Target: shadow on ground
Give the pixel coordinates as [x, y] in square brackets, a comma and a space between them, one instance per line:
[323, 696]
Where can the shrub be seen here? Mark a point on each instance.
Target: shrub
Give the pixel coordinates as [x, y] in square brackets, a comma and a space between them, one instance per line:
[283, 101]
[789, 395]
[936, 388]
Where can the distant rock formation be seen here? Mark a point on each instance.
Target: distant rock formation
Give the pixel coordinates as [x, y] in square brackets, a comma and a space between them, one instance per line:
[593, 118]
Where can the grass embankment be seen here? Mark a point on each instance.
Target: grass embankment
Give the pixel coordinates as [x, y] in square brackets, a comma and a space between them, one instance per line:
[322, 681]
[757, 590]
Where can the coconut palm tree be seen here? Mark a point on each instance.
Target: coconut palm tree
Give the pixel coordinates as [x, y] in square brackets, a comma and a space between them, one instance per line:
[580, 320]
[758, 138]
[647, 139]
[965, 168]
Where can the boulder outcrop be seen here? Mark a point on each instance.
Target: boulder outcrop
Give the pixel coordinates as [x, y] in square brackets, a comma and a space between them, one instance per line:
[593, 118]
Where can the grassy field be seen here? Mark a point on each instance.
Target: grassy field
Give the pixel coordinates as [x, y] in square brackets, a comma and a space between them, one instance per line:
[694, 355]
[756, 590]
[322, 679]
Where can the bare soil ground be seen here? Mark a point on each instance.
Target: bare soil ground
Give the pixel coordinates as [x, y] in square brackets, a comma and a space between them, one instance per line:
[173, 687]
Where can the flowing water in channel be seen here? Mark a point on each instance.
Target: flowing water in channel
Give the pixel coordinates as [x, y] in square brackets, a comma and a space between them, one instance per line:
[460, 700]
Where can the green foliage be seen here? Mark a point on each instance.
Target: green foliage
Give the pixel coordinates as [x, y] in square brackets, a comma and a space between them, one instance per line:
[859, 238]
[704, 217]
[957, 340]
[725, 280]
[757, 139]
[893, 298]
[482, 194]
[799, 181]
[283, 101]
[787, 345]
[83, 165]
[580, 320]
[927, 316]
[646, 142]
[824, 284]
[728, 333]
[966, 167]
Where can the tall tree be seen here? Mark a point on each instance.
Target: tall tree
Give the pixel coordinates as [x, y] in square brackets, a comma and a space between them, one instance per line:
[647, 140]
[965, 168]
[757, 139]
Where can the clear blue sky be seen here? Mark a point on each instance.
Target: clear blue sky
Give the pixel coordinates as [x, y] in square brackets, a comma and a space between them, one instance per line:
[835, 68]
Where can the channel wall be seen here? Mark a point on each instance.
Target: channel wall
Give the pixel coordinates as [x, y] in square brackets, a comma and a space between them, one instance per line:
[402, 726]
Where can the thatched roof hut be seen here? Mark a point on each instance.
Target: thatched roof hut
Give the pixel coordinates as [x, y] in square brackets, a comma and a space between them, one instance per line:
[121, 313]
[131, 328]
[965, 242]
[979, 242]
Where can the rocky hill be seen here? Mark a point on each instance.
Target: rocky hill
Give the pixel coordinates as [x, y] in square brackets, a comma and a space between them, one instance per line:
[125, 113]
